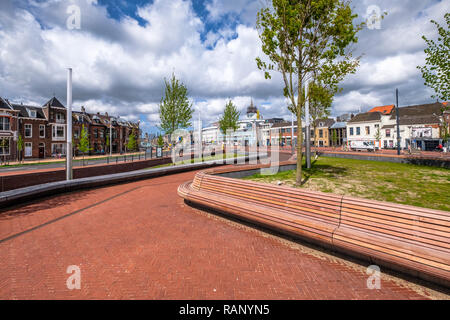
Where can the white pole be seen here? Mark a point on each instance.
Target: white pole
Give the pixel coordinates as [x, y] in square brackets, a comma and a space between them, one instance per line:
[292, 133]
[69, 126]
[110, 136]
[307, 129]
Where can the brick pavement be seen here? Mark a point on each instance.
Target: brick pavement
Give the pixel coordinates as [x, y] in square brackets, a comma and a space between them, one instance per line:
[141, 241]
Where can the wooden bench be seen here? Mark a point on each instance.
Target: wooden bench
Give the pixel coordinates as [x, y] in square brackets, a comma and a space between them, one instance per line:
[406, 238]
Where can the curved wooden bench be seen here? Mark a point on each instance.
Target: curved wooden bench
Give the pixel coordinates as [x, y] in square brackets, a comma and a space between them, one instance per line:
[413, 237]
[406, 238]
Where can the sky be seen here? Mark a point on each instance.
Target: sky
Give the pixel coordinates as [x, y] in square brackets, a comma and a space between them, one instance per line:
[123, 50]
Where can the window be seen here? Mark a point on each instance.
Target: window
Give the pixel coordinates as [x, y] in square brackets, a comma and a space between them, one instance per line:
[351, 131]
[58, 132]
[4, 146]
[101, 133]
[76, 134]
[388, 132]
[95, 133]
[367, 130]
[28, 149]
[114, 133]
[58, 148]
[385, 144]
[41, 131]
[320, 133]
[28, 130]
[358, 131]
[59, 117]
[4, 123]
[31, 113]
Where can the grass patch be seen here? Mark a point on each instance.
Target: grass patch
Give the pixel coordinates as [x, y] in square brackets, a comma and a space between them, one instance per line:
[415, 185]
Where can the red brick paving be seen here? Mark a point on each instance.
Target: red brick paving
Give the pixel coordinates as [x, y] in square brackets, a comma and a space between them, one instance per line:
[141, 241]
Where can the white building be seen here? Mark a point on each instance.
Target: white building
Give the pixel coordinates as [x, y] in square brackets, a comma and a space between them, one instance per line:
[419, 127]
[248, 132]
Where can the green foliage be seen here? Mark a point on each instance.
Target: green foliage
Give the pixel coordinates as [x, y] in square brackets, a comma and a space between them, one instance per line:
[436, 71]
[334, 137]
[229, 118]
[132, 144]
[307, 40]
[20, 143]
[378, 134]
[160, 141]
[83, 144]
[107, 141]
[175, 111]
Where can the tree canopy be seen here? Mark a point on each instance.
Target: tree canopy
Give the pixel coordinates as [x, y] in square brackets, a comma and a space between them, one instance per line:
[175, 111]
[229, 118]
[307, 40]
[436, 71]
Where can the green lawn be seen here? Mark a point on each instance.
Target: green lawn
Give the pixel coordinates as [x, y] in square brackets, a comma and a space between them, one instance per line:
[415, 185]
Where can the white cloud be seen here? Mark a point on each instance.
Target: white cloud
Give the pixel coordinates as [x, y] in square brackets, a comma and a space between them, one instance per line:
[119, 66]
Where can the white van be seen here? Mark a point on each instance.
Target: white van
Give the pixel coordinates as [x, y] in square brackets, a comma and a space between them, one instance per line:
[362, 146]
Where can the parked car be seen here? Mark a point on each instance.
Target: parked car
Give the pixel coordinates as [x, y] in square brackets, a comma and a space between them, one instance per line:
[362, 146]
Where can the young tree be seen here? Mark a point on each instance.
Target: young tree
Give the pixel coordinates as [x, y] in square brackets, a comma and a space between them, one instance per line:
[436, 71]
[160, 141]
[108, 147]
[378, 136]
[306, 39]
[20, 146]
[229, 118]
[175, 111]
[83, 144]
[334, 138]
[132, 142]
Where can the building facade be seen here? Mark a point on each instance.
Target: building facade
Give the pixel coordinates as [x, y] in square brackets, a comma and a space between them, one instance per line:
[31, 132]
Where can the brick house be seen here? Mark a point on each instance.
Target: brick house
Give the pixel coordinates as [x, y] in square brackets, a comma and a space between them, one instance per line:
[8, 131]
[34, 131]
[44, 130]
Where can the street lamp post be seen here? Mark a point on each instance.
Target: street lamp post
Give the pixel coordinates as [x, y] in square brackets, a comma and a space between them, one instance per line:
[110, 136]
[69, 175]
[398, 122]
[307, 130]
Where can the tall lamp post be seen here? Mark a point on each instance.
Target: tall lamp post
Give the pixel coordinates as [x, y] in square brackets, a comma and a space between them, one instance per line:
[307, 129]
[398, 122]
[69, 175]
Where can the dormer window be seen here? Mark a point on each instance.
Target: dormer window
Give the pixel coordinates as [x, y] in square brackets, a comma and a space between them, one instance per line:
[31, 113]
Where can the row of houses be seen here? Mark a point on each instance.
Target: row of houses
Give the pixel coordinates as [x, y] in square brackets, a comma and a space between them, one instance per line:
[43, 130]
[421, 127]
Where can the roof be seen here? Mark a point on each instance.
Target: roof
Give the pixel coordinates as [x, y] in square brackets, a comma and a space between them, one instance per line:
[366, 117]
[54, 102]
[383, 109]
[419, 114]
[339, 125]
[4, 104]
[283, 124]
[23, 111]
[326, 122]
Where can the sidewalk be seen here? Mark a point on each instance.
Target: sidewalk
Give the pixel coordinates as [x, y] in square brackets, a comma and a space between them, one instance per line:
[60, 160]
